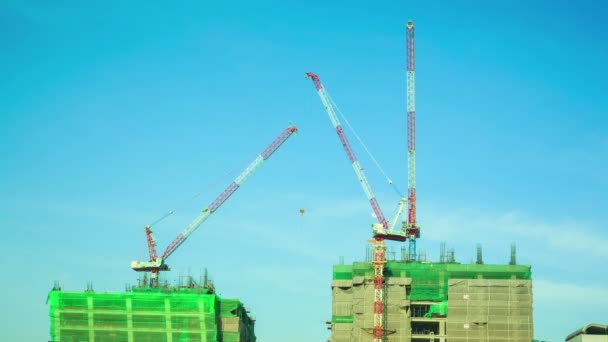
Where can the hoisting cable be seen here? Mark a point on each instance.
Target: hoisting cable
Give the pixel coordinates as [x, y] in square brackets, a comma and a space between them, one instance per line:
[169, 213]
[212, 184]
[390, 181]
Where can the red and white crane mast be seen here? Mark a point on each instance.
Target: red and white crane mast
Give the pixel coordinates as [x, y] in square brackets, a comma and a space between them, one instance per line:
[156, 264]
[412, 230]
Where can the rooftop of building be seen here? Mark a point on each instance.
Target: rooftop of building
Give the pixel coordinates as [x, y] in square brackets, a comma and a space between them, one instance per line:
[404, 269]
[589, 329]
[428, 281]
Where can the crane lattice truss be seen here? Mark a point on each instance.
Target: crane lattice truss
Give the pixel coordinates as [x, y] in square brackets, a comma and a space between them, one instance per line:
[381, 230]
[413, 230]
[156, 264]
[379, 262]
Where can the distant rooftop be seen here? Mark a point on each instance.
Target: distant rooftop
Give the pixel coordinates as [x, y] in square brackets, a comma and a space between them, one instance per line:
[589, 329]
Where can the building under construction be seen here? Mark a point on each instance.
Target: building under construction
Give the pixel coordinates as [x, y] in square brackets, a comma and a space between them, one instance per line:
[153, 311]
[443, 301]
[414, 300]
[376, 301]
[188, 313]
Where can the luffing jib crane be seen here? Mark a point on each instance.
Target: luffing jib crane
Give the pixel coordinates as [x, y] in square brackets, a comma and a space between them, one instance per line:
[157, 264]
[380, 230]
[410, 229]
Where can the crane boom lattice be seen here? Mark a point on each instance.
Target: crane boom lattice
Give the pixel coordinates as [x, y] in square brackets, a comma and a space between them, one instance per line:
[156, 264]
[413, 230]
[380, 230]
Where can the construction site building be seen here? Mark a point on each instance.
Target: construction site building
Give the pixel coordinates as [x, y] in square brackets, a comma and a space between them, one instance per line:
[434, 302]
[166, 314]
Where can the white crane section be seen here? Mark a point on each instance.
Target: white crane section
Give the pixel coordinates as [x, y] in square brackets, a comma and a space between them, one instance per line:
[155, 265]
[382, 227]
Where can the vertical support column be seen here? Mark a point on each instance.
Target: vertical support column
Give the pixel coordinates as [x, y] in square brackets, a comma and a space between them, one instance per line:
[57, 323]
[412, 249]
[90, 318]
[168, 320]
[413, 231]
[379, 261]
[201, 318]
[129, 319]
[442, 332]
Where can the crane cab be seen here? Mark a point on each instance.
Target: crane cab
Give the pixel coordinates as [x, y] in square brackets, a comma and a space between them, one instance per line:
[147, 266]
[393, 235]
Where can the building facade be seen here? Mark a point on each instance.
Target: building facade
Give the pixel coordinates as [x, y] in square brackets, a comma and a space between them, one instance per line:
[434, 302]
[148, 315]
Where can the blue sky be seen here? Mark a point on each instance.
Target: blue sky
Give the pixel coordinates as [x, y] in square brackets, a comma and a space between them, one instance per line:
[113, 114]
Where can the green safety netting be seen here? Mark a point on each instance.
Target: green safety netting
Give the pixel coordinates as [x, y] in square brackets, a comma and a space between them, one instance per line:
[438, 309]
[430, 280]
[179, 315]
[343, 319]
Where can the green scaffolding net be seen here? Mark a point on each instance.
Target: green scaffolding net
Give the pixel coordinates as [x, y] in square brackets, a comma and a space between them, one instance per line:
[175, 315]
[438, 309]
[430, 280]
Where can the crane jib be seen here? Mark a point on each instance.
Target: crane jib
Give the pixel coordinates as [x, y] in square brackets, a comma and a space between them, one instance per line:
[346, 144]
[278, 142]
[322, 92]
[217, 203]
[223, 196]
[178, 241]
[374, 203]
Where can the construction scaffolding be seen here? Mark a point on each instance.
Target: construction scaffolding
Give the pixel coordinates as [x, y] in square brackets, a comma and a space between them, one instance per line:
[490, 310]
[434, 302]
[148, 315]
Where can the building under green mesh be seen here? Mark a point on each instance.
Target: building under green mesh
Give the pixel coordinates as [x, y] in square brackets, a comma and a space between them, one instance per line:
[148, 315]
[434, 302]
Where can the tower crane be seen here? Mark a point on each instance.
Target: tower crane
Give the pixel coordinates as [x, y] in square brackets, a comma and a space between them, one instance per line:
[380, 230]
[412, 230]
[157, 264]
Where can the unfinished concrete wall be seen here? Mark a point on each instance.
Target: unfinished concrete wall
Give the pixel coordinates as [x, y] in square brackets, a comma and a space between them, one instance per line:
[353, 310]
[419, 307]
[489, 310]
[397, 309]
[342, 310]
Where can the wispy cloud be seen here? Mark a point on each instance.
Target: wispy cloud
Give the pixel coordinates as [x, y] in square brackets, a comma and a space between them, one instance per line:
[452, 224]
[556, 293]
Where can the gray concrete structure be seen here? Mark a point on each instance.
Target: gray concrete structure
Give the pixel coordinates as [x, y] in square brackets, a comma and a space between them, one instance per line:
[589, 333]
[489, 310]
[433, 302]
